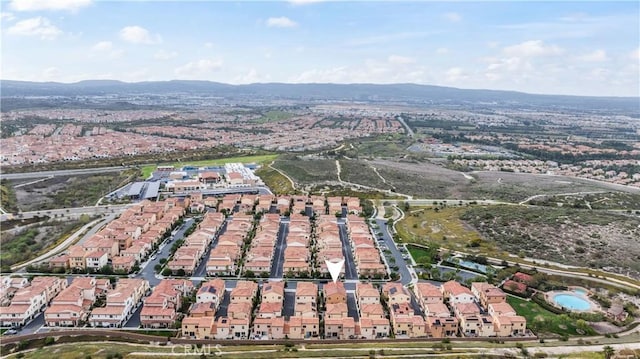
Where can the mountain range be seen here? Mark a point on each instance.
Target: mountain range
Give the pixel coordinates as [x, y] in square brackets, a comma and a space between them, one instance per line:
[411, 93]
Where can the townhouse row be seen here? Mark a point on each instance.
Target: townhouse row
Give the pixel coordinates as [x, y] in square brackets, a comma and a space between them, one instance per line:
[481, 311]
[364, 248]
[225, 257]
[204, 321]
[328, 244]
[78, 303]
[298, 247]
[23, 300]
[187, 258]
[127, 240]
[259, 257]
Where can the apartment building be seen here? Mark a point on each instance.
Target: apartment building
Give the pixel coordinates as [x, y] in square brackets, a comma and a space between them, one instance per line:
[160, 309]
[28, 301]
[121, 302]
[72, 305]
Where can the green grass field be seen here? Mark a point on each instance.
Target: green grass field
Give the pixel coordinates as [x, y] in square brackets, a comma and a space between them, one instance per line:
[443, 227]
[148, 169]
[543, 322]
[278, 183]
[422, 255]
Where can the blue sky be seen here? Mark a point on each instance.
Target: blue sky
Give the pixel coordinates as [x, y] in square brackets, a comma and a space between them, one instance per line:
[581, 48]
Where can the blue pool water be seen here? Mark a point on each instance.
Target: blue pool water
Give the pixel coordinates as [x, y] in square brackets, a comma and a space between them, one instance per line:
[473, 265]
[571, 301]
[580, 291]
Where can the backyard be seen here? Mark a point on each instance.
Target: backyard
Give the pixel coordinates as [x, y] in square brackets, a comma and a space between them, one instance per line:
[544, 323]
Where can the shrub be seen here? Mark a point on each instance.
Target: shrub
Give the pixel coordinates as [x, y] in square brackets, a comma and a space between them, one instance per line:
[49, 340]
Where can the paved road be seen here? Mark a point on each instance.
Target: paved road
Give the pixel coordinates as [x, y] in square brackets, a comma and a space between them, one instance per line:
[147, 268]
[406, 127]
[405, 275]
[350, 271]
[33, 326]
[94, 225]
[26, 175]
[352, 307]
[288, 306]
[278, 256]
[201, 269]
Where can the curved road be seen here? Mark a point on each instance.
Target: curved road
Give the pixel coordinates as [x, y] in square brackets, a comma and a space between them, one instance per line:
[67, 242]
[26, 175]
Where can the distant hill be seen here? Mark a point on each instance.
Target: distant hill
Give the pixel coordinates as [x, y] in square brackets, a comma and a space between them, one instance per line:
[411, 93]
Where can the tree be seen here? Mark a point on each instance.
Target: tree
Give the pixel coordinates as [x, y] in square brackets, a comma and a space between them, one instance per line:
[608, 352]
[167, 272]
[180, 272]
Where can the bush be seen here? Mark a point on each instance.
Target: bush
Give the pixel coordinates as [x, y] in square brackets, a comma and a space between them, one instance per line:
[49, 340]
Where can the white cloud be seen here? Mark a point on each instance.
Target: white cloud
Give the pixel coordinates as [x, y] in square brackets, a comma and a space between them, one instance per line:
[139, 35]
[250, 77]
[36, 26]
[198, 69]
[102, 46]
[37, 5]
[106, 47]
[386, 38]
[50, 73]
[455, 74]
[442, 51]
[7, 16]
[452, 16]
[635, 54]
[165, 55]
[596, 56]
[370, 71]
[532, 48]
[400, 60]
[208, 45]
[281, 21]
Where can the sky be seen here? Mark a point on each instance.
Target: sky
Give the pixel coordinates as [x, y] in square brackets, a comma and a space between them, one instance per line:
[550, 47]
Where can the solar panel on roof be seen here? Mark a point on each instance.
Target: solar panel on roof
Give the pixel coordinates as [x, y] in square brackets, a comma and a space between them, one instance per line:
[136, 188]
[152, 189]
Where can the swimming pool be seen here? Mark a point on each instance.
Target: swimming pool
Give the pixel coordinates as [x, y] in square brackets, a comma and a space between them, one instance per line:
[571, 301]
[580, 291]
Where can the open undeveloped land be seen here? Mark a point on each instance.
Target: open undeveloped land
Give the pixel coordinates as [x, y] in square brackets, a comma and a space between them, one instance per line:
[70, 191]
[431, 180]
[22, 244]
[563, 235]
[597, 239]
[308, 170]
[602, 200]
